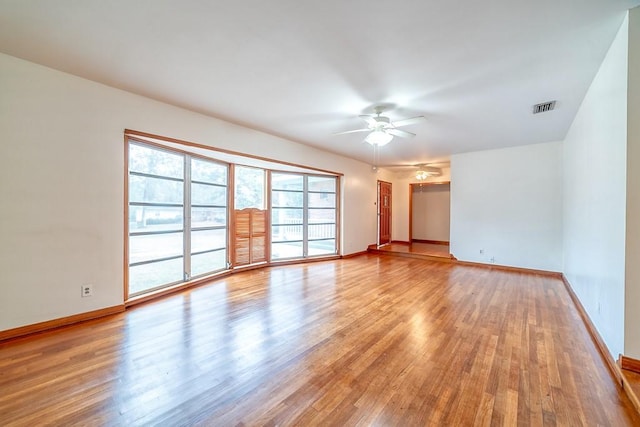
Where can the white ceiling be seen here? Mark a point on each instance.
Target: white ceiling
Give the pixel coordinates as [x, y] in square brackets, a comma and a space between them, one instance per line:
[305, 70]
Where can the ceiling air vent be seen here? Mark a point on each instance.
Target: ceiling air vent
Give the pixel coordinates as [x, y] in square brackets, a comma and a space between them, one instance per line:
[545, 106]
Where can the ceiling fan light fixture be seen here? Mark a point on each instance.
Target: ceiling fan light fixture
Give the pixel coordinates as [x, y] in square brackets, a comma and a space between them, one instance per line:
[379, 138]
[422, 175]
[426, 172]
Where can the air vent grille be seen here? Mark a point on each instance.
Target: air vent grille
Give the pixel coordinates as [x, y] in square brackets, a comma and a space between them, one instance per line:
[545, 106]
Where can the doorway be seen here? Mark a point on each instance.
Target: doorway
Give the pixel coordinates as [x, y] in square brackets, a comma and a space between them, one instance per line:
[384, 213]
[429, 213]
[250, 218]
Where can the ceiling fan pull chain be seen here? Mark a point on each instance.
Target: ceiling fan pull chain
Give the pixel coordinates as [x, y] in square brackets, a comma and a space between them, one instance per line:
[375, 156]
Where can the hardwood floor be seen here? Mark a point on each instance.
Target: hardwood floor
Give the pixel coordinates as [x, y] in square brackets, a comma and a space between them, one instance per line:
[414, 250]
[371, 340]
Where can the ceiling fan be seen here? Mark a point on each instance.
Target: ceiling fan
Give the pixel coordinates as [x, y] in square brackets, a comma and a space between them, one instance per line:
[420, 172]
[382, 130]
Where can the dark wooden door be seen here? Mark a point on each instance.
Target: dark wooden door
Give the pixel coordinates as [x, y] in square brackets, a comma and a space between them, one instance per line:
[384, 212]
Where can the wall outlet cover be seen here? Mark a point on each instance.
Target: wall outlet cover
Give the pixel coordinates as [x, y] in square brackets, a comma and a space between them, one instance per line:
[86, 290]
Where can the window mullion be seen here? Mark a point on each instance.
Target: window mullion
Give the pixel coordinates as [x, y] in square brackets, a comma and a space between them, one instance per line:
[305, 217]
[187, 218]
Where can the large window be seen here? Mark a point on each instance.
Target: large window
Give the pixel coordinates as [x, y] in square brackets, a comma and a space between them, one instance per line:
[208, 217]
[321, 197]
[287, 215]
[169, 193]
[303, 215]
[181, 226]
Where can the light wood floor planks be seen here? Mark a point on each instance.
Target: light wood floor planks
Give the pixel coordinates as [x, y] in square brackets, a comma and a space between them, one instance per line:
[372, 340]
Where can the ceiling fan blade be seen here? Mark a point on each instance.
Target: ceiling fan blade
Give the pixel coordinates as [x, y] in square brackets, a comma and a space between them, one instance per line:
[400, 133]
[353, 131]
[369, 119]
[411, 121]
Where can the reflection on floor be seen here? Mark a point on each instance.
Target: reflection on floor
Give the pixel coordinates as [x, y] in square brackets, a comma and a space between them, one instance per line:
[415, 250]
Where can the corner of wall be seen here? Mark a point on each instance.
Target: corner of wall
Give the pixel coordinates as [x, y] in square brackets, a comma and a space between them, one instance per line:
[632, 246]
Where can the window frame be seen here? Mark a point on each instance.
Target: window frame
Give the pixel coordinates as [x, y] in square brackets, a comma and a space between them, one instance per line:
[186, 224]
[230, 159]
[306, 210]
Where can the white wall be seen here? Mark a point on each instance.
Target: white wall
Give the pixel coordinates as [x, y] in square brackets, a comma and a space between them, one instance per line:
[594, 197]
[632, 274]
[62, 178]
[431, 212]
[508, 203]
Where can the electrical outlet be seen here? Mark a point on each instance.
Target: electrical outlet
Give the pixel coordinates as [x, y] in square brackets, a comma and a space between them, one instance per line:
[481, 251]
[493, 260]
[86, 290]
